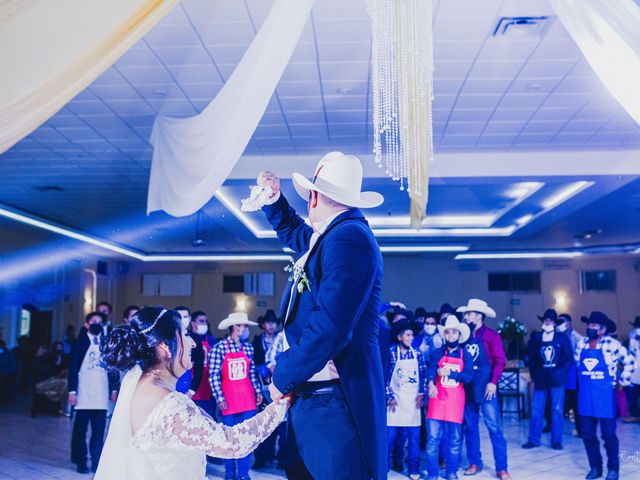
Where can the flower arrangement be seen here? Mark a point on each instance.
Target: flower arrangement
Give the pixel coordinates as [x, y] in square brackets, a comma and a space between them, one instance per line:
[511, 329]
[297, 273]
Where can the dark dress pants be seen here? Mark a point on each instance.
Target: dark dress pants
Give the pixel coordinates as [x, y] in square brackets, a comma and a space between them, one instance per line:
[326, 438]
[98, 420]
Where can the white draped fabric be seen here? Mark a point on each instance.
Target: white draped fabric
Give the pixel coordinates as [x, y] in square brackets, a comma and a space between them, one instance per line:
[608, 34]
[50, 50]
[193, 156]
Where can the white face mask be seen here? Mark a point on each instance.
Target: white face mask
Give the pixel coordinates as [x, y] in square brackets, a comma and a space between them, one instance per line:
[202, 329]
[548, 328]
[429, 329]
[561, 328]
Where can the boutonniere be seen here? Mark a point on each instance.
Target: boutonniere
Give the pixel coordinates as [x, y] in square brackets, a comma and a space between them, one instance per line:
[297, 274]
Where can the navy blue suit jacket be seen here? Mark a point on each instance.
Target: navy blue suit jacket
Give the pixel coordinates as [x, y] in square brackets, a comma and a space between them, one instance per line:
[337, 319]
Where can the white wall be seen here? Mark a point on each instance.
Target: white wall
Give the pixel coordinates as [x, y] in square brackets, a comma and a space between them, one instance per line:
[416, 280]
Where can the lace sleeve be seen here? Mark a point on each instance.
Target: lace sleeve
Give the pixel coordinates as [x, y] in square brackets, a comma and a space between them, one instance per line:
[191, 428]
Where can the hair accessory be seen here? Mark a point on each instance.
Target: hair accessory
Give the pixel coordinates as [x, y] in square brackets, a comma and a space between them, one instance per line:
[148, 329]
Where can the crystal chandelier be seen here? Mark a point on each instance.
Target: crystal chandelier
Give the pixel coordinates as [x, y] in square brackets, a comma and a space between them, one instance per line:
[402, 81]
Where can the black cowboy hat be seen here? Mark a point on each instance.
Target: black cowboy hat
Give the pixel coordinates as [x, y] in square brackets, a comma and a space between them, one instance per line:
[601, 319]
[562, 318]
[447, 308]
[421, 312]
[402, 325]
[404, 312]
[636, 322]
[549, 313]
[270, 316]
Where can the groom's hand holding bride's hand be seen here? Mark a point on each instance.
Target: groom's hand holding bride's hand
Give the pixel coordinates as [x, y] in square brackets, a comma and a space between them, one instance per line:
[267, 178]
[274, 392]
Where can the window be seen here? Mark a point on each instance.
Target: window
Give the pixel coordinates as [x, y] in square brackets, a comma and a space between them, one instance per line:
[597, 281]
[514, 282]
[233, 284]
[166, 285]
[260, 284]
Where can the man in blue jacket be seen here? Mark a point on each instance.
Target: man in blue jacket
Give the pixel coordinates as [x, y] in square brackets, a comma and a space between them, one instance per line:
[330, 311]
[550, 359]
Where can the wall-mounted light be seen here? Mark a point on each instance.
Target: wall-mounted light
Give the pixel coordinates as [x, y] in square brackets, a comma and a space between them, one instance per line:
[561, 299]
[241, 303]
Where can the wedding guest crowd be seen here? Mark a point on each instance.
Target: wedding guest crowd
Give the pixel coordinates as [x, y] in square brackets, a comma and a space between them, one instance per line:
[442, 367]
[465, 359]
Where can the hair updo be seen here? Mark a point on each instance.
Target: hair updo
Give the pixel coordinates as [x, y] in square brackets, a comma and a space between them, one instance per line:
[127, 346]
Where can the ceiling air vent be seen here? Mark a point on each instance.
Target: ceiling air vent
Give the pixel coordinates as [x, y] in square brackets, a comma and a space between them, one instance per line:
[49, 188]
[521, 27]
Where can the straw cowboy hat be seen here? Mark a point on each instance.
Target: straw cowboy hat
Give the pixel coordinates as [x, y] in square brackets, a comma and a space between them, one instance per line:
[238, 318]
[339, 177]
[477, 305]
[452, 322]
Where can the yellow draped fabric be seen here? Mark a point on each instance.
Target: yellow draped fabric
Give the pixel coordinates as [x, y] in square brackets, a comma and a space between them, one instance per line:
[50, 50]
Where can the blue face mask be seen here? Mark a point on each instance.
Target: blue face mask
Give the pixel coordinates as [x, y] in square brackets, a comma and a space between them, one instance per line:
[244, 336]
[451, 345]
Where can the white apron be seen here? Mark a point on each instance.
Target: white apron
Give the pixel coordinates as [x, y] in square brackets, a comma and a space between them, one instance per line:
[405, 384]
[93, 383]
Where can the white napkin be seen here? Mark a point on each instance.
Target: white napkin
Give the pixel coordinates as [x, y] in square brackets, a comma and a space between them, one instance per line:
[257, 198]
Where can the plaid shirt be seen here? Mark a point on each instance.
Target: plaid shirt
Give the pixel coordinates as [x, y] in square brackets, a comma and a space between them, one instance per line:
[216, 357]
[408, 355]
[275, 349]
[615, 355]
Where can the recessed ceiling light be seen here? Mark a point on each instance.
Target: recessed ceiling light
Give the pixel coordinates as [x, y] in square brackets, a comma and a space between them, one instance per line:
[159, 93]
[534, 86]
[343, 90]
[49, 188]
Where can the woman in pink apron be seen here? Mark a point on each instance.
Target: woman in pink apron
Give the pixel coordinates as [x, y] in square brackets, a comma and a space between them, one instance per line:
[449, 368]
[234, 383]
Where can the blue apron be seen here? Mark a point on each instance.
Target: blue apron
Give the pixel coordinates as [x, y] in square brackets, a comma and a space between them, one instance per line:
[595, 385]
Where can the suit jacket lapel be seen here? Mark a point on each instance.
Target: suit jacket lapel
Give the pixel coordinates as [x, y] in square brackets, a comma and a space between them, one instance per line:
[351, 214]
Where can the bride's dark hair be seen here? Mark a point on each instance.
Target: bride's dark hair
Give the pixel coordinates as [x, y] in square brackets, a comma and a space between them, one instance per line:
[135, 344]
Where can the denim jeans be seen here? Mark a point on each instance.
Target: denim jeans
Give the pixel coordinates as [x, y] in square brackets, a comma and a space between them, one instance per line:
[538, 402]
[437, 431]
[237, 468]
[491, 414]
[413, 434]
[592, 446]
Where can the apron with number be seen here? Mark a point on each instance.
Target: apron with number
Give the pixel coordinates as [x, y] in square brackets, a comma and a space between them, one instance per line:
[595, 385]
[93, 382]
[405, 384]
[237, 389]
[448, 405]
[204, 389]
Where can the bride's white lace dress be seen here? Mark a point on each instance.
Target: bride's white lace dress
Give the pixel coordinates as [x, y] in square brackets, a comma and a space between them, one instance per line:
[173, 440]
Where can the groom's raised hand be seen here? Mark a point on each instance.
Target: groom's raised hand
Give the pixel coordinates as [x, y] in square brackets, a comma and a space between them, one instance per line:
[267, 178]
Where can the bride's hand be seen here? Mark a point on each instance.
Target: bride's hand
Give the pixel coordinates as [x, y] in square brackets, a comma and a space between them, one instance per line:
[274, 392]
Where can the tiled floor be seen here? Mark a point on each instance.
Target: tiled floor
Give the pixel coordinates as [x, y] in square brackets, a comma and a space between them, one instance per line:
[38, 448]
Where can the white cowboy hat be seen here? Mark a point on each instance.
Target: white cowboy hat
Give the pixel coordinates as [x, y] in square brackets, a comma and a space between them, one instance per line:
[238, 318]
[339, 177]
[452, 322]
[477, 305]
